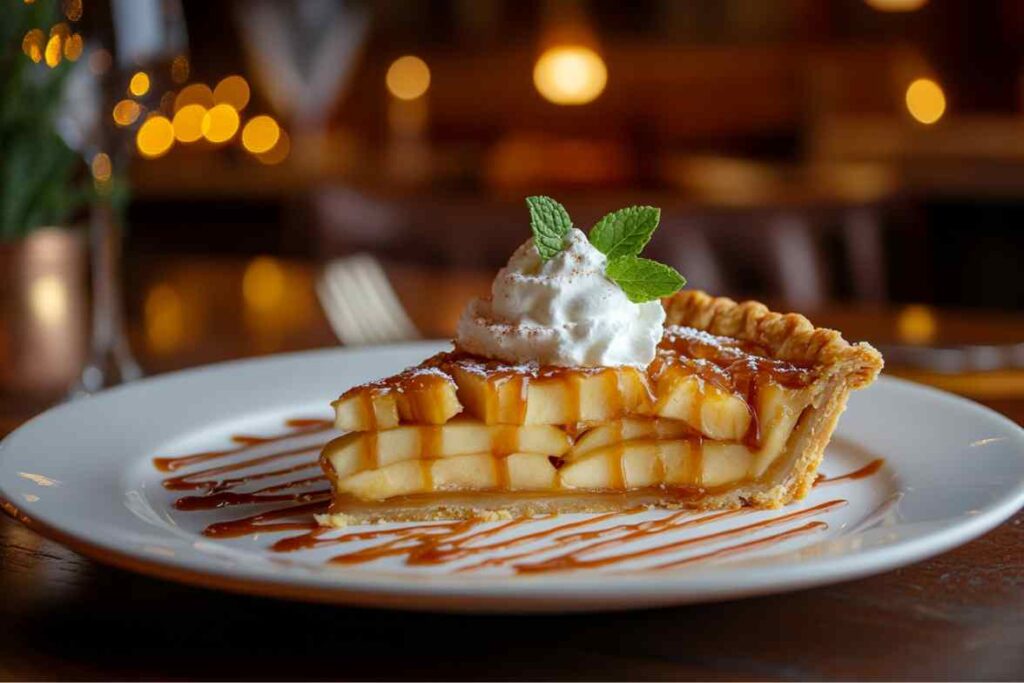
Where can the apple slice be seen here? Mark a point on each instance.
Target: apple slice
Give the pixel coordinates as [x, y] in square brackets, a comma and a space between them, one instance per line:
[627, 429]
[422, 395]
[634, 464]
[560, 397]
[473, 472]
[714, 412]
[358, 451]
[675, 462]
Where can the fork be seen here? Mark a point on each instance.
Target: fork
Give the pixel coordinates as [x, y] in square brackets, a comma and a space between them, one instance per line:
[360, 303]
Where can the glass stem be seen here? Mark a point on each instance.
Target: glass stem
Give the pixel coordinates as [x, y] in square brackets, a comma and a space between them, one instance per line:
[110, 358]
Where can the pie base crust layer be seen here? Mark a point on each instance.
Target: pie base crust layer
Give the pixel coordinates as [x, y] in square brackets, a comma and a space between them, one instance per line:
[841, 368]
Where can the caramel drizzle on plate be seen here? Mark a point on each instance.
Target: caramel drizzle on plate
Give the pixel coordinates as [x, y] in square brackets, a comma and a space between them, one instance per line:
[296, 427]
[864, 472]
[597, 541]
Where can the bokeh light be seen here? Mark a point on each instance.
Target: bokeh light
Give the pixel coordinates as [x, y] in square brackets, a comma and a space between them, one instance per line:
[33, 44]
[139, 84]
[101, 167]
[279, 152]
[73, 47]
[155, 137]
[264, 284]
[126, 112]
[408, 77]
[72, 9]
[196, 93]
[925, 100]
[100, 61]
[917, 324]
[179, 69]
[52, 52]
[260, 134]
[896, 5]
[220, 123]
[62, 30]
[167, 102]
[188, 123]
[164, 319]
[232, 90]
[570, 75]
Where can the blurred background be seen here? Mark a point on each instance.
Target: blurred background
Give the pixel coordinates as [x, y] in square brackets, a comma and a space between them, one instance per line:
[195, 165]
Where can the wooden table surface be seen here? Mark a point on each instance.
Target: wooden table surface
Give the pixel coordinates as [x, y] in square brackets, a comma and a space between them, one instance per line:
[960, 615]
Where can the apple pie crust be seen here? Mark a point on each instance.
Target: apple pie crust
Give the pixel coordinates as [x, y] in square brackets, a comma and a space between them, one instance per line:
[736, 410]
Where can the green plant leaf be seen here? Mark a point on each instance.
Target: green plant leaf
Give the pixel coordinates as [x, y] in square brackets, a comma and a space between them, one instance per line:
[550, 223]
[625, 232]
[643, 279]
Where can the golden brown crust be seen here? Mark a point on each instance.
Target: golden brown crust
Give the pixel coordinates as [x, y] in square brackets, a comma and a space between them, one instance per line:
[790, 337]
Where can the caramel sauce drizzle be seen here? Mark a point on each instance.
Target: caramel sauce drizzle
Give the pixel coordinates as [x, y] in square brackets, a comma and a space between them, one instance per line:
[205, 479]
[268, 494]
[577, 560]
[864, 472]
[443, 543]
[296, 427]
[746, 546]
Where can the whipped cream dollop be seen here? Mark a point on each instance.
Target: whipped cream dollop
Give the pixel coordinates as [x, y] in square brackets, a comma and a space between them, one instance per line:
[564, 312]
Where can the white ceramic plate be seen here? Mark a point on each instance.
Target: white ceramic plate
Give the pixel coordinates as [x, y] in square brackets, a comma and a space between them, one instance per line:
[83, 474]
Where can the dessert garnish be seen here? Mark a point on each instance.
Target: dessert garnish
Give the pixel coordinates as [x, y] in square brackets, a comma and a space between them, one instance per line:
[620, 236]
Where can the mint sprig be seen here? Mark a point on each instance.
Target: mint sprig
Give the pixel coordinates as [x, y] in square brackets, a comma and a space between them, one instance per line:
[621, 236]
[625, 232]
[550, 223]
[643, 279]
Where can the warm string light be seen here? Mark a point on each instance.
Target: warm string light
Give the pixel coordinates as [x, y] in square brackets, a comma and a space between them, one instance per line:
[196, 93]
[197, 113]
[101, 167]
[570, 75]
[220, 123]
[73, 47]
[264, 284]
[188, 123]
[179, 69]
[925, 101]
[61, 43]
[164, 314]
[233, 91]
[896, 5]
[260, 134]
[73, 9]
[52, 52]
[139, 84]
[126, 112]
[155, 137]
[408, 78]
[33, 44]
[916, 324]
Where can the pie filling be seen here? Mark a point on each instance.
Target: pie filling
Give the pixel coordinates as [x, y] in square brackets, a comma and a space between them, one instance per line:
[710, 413]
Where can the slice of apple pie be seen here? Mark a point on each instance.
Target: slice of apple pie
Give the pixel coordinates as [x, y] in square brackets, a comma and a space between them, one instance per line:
[721, 405]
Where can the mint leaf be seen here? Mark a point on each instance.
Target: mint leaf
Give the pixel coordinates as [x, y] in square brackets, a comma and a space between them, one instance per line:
[625, 232]
[550, 223]
[642, 279]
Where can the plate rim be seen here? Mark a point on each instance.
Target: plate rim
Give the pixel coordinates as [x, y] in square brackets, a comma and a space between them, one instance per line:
[496, 595]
